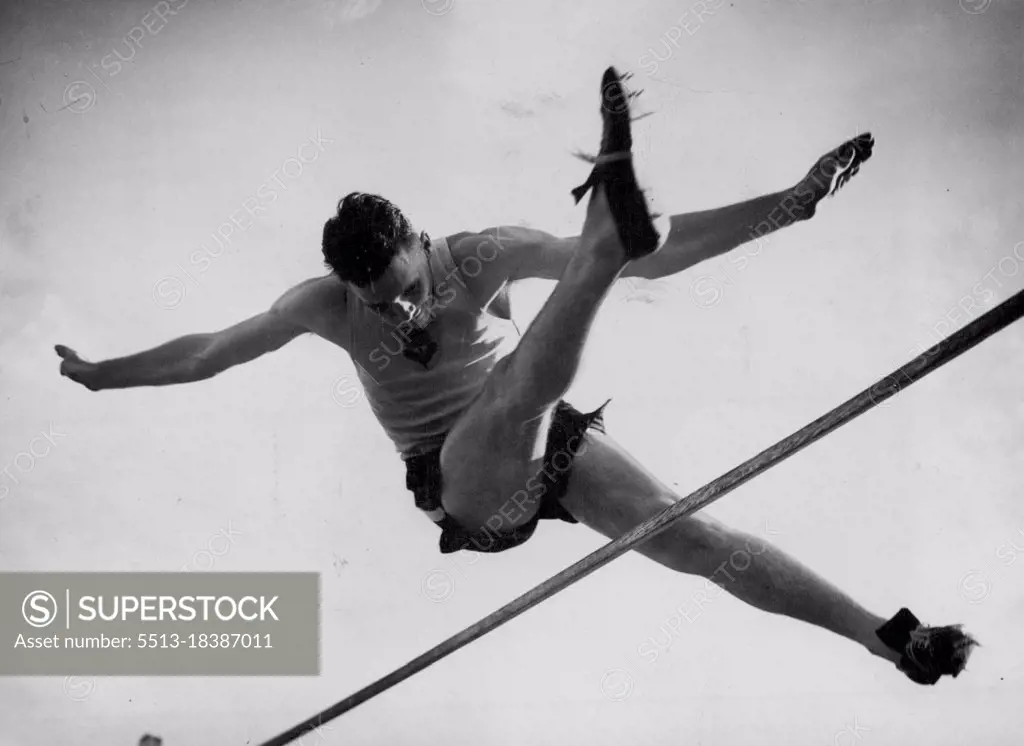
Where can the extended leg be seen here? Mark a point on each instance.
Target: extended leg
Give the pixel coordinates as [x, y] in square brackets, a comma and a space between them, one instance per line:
[612, 493]
[618, 228]
[496, 445]
[695, 237]
[542, 368]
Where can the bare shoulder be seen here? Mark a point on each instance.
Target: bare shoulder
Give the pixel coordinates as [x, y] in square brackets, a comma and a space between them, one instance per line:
[506, 240]
[507, 253]
[312, 302]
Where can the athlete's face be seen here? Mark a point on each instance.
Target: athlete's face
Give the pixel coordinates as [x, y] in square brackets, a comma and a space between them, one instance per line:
[402, 292]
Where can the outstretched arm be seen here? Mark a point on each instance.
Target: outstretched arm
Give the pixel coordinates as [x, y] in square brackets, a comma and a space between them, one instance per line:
[193, 357]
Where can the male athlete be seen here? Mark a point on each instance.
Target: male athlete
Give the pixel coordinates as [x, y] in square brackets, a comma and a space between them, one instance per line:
[489, 445]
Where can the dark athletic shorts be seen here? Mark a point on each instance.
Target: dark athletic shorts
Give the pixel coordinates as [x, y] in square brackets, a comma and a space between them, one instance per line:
[565, 439]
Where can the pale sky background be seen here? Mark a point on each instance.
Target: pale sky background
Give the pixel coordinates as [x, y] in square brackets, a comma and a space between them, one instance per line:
[466, 116]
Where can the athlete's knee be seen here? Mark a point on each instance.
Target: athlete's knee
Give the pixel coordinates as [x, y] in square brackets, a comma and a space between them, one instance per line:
[511, 513]
[525, 504]
[491, 511]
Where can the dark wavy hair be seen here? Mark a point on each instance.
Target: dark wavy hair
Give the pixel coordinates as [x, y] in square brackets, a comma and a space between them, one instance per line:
[363, 237]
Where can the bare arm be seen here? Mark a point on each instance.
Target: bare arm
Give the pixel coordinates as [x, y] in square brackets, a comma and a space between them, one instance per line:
[193, 357]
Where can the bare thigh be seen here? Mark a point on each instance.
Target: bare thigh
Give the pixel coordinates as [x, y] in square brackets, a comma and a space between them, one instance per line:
[611, 492]
[490, 455]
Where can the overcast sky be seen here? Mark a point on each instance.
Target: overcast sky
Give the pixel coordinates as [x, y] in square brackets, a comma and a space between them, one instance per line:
[466, 112]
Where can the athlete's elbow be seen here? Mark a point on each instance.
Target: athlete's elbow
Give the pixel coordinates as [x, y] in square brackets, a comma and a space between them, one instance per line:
[199, 368]
[210, 355]
[209, 364]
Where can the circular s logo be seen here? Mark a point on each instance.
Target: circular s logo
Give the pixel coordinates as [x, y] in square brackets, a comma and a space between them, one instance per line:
[974, 587]
[437, 7]
[617, 685]
[706, 291]
[39, 609]
[438, 586]
[79, 688]
[168, 292]
[79, 97]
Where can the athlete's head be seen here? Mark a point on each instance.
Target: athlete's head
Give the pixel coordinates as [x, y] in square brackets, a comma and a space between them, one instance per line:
[372, 247]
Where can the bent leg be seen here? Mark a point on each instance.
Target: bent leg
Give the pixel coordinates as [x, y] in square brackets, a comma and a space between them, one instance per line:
[544, 364]
[612, 493]
[499, 442]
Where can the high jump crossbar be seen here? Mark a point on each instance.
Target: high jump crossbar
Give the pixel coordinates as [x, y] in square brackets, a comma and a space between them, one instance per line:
[931, 359]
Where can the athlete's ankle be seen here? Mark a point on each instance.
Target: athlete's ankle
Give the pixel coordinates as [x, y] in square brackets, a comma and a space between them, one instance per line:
[800, 202]
[878, 648]
[600, 235]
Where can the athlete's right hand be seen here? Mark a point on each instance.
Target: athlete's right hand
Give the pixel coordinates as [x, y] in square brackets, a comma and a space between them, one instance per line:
[78, 370]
